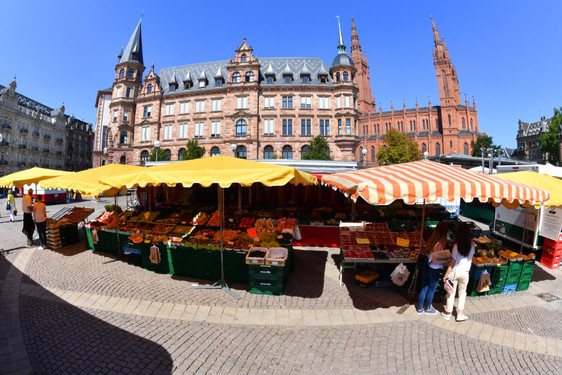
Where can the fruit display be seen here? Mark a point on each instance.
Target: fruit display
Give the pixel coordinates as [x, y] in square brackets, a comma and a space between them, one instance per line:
[267, 225]
[246, 222]
[214, 220]
[286, 223]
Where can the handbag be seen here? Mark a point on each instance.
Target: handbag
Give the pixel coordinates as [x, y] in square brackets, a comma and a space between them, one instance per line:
[399, 275]
[449, 286]
[15, 211]
[483, 282]
[7, 206]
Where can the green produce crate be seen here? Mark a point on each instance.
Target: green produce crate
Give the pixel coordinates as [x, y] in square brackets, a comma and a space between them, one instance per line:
[515, 266]
[235, 267]
[107, 242]
[523, 285]
[89, 241]
[512, 279]
[474, 275]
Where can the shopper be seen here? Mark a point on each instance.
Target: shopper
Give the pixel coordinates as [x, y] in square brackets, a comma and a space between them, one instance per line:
[436, 242]
[11, 204]
[27, 209]
[458, 270]
[40, 218]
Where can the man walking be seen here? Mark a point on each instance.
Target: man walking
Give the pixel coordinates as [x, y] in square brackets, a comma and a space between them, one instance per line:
[40, 217]
[28, 224]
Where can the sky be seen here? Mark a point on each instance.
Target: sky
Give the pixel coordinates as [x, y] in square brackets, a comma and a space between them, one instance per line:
[506, 53]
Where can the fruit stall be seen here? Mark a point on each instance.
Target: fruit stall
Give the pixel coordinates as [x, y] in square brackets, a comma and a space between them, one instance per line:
[62, 227]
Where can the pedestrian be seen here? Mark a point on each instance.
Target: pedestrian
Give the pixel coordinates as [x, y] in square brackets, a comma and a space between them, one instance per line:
[457, 271]
[27, 209]
[40, 218]
[436, 242]
[11, 204]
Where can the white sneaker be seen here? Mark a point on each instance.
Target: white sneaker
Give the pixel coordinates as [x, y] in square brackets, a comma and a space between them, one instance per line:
[446, 316]
[40, 248]
[461, 318]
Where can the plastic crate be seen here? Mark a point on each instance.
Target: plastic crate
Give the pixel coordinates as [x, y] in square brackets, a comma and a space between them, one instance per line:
[268, 288]
[555, 245]
[510, 288]
[515, 266]
[523, 285]
[552, 251]
[255, 257]
[276, 256]
[495, 291]
[474, 276]
[512, 279]
[551, 261]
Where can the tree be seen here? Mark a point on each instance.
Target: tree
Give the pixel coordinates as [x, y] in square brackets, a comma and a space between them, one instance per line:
[483, 141]
[398, 148]
[193, 150]
[162, 154]
[318, 149]
[549, 142]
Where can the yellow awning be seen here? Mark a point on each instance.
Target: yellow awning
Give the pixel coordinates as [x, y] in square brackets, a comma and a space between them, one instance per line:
[221, 170]
[30, 176]
[541, 181]
[88, 181]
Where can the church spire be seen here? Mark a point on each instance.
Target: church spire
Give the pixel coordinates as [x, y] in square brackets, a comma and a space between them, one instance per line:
[437, 40]
[133, 51]
[341, 46]
[355, 46]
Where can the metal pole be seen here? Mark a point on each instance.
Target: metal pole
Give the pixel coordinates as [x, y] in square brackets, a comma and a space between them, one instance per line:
[499, 158]
[483, 164]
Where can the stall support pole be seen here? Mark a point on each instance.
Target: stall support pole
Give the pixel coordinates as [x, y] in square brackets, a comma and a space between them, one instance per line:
[221, 284]
[415, 276]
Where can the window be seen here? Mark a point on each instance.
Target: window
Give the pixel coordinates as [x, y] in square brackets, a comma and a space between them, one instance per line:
[451, 144]
[347, 126]
[215, 151]
[144, 156]
[339, 127]
[242, 102]
[471, 125]
[240, 152]
[323, 78]
[218, 82]
[168, 154]
[270, 78]
[463, 123]
[173, 87]
[147, 111]
[216, 105]
[287, 78]
[324, 102]
[123, 138]
[149, 88]
[287, 127]
[424, 148]
[180, 153]
[338, 102]
[346, 76]
[287, 102]
[305, 78]
[304, 150]
[305, 126]
[131, 73]
[347, 101]
[169, 109]
[249, 77]
[199, 106]
[168, 132]
[184, 107]
[122, 73]
[268, 127]
[215, 129]
[287, 152]
[243, 58]
[128, 92]
[241, 127]
[182, 131]
[324, 127]
[465, 149]
[202, 83]
[115, 113]
[187, 85]
[437, 149]
[145, 134]
[126, 115]
[269, 102]
[198, 130]
[236, 77]
[305, 102]
[338, 77]
[449, 117]
[372, 153]
[268, 152]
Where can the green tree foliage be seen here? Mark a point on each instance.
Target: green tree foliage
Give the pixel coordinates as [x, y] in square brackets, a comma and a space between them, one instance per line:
[398, 148]
[162, 155]
[318, 149]
[193, 150]
[483, 141]
[549, 141]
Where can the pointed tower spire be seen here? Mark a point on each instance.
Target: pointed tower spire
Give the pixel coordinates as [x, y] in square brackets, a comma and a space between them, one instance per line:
[341, 46]
[437, 40]
[355, 45]
[133, 51]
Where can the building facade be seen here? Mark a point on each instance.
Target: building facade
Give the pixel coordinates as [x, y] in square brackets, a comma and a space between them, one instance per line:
[528, 143]
[35, 135]
[268, 107]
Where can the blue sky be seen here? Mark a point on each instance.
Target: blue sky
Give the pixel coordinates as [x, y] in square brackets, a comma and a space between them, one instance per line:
[506, 53]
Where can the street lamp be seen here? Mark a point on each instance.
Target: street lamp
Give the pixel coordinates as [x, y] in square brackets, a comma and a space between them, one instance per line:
[425, 155]
[233, 148]
[364, 153]
[157, 146]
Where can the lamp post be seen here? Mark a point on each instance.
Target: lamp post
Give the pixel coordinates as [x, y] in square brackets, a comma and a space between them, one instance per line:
[157, 146]
[491, 155]
[425, 155]
[364, 156]
[233, 148]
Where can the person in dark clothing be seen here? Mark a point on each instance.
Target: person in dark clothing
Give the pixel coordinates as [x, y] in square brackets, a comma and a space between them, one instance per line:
[28, 223]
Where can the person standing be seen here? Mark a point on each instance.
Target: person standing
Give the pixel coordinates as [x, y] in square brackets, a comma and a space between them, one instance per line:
[40, 218]
[28, 224]
[11, 203]
[436, 242]
[458, 270]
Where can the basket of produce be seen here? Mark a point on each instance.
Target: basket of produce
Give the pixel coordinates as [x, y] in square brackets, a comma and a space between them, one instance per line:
[276, 256]
[256, 255]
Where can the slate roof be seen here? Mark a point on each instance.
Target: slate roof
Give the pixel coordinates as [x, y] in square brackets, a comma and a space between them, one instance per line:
[133, 51]
[534, 128]
[272, 65]
[29, 103]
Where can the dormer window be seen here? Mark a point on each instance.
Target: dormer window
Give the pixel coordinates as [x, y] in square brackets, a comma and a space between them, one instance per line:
[287, 78]
[243, 58]
[236, 77]
[305, 78]
[122, 73]
[202, 83]
[218, 82]
[323, 78]
[187, 85]
[345, 76]
[131, 73]
[173, 87]
[270, 78]
[249, 77]
[149, 88]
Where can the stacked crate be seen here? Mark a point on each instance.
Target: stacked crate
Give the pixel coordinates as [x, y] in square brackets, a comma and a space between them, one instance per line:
[498, 278]
[267, 279]
[528, 267]
[475, 272]
[53, 235]
[513, 275]
[551, 253]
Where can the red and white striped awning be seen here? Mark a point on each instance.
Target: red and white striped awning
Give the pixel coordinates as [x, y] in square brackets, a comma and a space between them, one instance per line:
[431, 181]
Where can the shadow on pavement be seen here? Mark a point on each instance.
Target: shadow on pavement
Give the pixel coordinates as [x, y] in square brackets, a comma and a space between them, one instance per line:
[307, 280]
[541, 275]
[61, 338]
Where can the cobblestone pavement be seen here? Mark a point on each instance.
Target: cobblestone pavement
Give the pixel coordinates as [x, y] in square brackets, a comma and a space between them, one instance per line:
[75, 311]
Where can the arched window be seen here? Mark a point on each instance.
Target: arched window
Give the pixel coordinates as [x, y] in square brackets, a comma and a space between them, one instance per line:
[149, 88]
[445, 84]
[240, 152]
[180, 153]
[249, 77]
[122, 73]
[465, 148]
[123, 138]
[338, 77]
[463, 123]
[243, 58]
[215, 151]
[346, 76]
[471, 125]
[168, 154]
[437, 149]
[123, 159]
[268, 152]
[287, 152]
[235, 77]
[424, 148]
[144, 156]
[449, 117]
[373, 155]
[304, 150]
[131, 73]
[241, 127]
